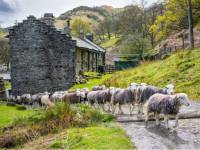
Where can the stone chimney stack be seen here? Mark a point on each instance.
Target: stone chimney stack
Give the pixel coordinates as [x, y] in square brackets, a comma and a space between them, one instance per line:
[67, 29]
[48, 19]
[81, 34]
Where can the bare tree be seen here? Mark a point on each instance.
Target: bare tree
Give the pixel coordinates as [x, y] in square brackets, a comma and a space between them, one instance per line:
[190, 21]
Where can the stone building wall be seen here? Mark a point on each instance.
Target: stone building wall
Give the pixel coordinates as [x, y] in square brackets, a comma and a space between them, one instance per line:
[42, 59]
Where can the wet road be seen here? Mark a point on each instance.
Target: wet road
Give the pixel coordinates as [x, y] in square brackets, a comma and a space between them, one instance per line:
[186, 137]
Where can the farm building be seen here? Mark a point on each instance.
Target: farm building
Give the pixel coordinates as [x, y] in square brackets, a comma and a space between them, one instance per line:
[45, 59]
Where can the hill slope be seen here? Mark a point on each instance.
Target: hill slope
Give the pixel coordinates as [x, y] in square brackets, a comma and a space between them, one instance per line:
[94, 14]
[181, 69]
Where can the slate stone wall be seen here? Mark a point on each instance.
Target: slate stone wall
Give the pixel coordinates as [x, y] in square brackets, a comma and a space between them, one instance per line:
[42, 59]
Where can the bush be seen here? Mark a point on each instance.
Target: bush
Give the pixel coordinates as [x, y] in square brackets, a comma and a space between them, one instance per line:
[49, 121]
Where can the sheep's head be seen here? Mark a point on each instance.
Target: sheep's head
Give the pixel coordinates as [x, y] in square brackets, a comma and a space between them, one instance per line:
[183, 99]
[170, 89]
[78, 93]
[103, 87]
[82, 93]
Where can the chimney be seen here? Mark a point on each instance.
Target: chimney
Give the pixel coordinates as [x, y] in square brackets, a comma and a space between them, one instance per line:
[81, 34]
[48, 19]
[67, 29]
[90, 36]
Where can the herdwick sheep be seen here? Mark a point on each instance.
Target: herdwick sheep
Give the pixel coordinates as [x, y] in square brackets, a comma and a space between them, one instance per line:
[26, 98]
[72, 97]
[147, 91]
[58, 96]
[99, 87]
[36, 98]
[92, 97]
[83, 94]
[100, 98]
[103, 97]
[123, 96]
[165, 104]
[46, 101]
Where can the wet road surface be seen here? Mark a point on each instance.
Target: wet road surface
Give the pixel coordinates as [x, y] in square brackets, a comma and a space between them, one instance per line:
[186, 137]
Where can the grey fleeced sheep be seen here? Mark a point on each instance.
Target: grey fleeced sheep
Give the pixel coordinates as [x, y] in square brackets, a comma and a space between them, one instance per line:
[146, 91]
[124, 96]
[74, 97]
[100, 97]
[58, 96]
[46, 100]
[165, 104]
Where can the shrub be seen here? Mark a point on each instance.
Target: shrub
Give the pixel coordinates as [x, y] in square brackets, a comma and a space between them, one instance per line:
[51, 120]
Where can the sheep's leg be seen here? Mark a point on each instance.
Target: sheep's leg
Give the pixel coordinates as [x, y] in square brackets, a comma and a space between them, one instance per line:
[176, 123]
[133, 106]
[113, 108]
[157, 119]
[102, 107]
[120, 110]
[146, 119]
[140, 109]
[130, 109]
[109, 109]
[166, 121]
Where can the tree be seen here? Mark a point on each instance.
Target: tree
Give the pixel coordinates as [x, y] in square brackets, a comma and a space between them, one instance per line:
[175, 17]
[79, 24]
[135, 44]
[190, 21]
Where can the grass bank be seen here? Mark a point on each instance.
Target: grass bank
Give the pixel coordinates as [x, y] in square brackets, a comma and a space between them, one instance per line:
[55, 120]
[98, 138]
[181, 69]
[9, 113]
[92, 82]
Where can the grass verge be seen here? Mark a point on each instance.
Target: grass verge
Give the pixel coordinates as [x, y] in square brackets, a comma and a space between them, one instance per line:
[98, 138]
[9, 113]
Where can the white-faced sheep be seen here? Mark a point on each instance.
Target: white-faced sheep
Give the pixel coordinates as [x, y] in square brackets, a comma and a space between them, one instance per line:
[165, 104]
[36, 98]
[124, 96]
[46, 101]
[146, 91]
[58, 96]
[103, 97]
[73, 97]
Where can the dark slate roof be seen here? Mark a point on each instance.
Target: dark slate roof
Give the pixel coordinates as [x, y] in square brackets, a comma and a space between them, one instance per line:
[85, 43]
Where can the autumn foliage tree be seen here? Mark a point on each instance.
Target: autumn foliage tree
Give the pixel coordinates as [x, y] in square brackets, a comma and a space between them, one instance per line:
[79, 23]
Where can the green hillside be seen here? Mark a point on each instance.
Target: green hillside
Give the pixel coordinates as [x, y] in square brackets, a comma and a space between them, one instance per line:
[94, 14]
[181, 69]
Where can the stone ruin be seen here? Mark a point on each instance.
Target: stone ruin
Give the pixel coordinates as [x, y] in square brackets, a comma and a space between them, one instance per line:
[42, 58]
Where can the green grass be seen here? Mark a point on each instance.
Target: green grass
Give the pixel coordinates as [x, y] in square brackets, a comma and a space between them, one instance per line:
[110, 42]
[9, 113]
[92, 82]
[181, 69]
[98, 138]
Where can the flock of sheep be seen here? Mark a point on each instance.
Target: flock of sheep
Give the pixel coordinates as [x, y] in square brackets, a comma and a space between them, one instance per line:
[148, 99]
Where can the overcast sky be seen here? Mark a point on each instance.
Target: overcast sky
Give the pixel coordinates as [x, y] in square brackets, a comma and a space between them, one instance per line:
[11, 10]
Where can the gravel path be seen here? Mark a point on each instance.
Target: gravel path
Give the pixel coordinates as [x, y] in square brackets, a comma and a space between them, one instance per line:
[186, 137]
